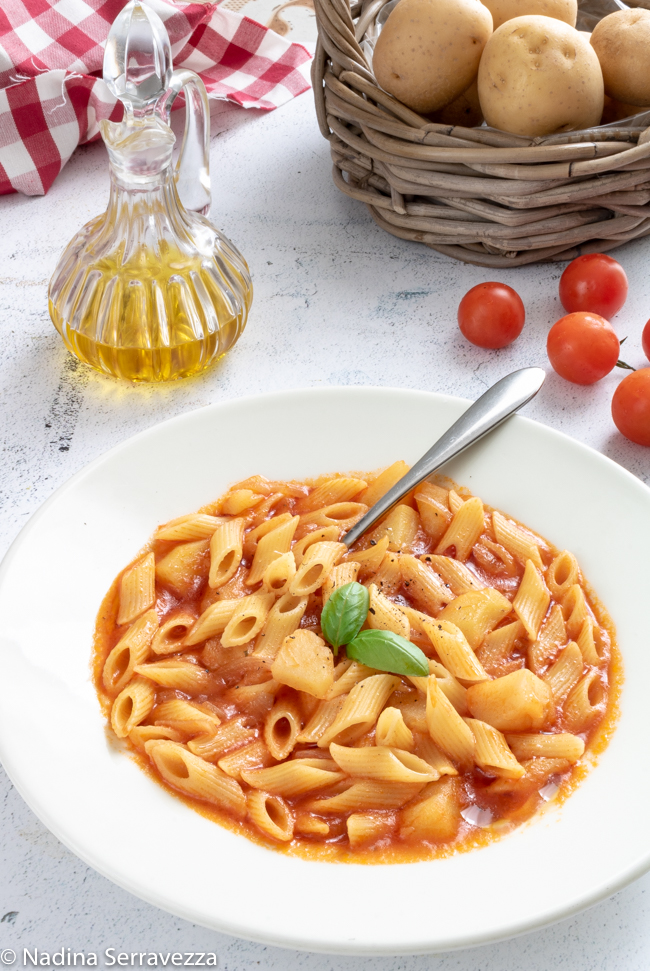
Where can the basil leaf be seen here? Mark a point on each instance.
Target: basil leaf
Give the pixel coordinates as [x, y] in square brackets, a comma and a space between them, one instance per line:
[385, 651]
[344, 614]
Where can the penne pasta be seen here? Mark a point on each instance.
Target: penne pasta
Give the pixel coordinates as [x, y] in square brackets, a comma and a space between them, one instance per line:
[252, 756]
[565, 672]
[239, 500]
[253, 536]
[585, 702]
[279, 574]
[290, 779]
[226, 551]
[194, 777]
[347, 673]
[400, 526]
[345, 572]
[328, 534]
[476, 613]
[562, 574]
[592, 643]
[132, 706]
[367, 794]
[176, 673]
[384, 481]
[560, 745]
[331, 492]
[518, 541]
[186, 717]
[388, 578]
[311, 825]
[142, 734]
[137, 589]
[270, 547]
[324, 715]
[435, 517]
[360, 709]
[453, 650]
[195, 526]
[379, 762]
[281, 728]
[446, 727]
[217, 741]
[315, 567]
[247, 620]
[574, 609]
[271, 815]
[430, 753]
[551, 637]
[425, 587]
[465, 528]
[281, 621]
[133, 648]
[370, 559]
[492, 753]
[457, 577]
[392, 730]
[532, 600]
[171, 634]
[212, 621]
[496, 650]
[343, 515]
[383, 614]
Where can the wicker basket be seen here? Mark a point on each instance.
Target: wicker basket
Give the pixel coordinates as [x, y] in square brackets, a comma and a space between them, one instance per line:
[475, 194]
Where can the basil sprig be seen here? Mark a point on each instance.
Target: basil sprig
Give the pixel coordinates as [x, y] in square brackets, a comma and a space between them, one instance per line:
[341, 621]
[344, 613]
[386, 651]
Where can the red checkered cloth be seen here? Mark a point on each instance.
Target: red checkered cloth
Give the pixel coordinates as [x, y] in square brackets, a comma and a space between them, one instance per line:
[52, 97]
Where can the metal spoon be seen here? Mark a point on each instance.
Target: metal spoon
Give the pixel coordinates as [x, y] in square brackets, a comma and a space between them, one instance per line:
[499, 402]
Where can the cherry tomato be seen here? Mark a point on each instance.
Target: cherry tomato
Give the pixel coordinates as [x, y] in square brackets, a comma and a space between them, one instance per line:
[595, 283]
[582, 348]
[645, 340]
[631, 407]
[491, 315]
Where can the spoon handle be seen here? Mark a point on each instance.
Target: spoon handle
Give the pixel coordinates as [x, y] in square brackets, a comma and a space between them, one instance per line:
[486, 413]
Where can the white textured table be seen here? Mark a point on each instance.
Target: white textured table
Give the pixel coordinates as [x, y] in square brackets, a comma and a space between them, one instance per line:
[337, 301]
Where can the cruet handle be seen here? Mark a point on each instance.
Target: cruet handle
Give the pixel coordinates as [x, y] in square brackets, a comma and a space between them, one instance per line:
[193, 165]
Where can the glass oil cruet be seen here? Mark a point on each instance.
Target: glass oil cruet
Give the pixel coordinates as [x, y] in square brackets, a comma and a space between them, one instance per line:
[151, 290]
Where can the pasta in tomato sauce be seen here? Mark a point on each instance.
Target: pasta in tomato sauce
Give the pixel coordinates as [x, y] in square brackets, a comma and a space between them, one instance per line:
[211, 664]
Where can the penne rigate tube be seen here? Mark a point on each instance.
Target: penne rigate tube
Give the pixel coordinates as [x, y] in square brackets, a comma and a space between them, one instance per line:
[137, 589]
[225, 552]
[194, 777]
[133, 648]
[380, 762]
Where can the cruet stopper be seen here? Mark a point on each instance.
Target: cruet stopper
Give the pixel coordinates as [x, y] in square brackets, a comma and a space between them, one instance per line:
[151, 290]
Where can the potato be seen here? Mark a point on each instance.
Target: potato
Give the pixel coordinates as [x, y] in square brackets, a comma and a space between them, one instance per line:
[618, 111]
[622, 43]
[539, 76]
[502, 10]
[428, 51]
[465, 110]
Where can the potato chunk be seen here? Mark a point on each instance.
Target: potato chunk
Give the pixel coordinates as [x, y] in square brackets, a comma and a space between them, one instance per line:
[306, 663]
[435, 814]
[518, 702]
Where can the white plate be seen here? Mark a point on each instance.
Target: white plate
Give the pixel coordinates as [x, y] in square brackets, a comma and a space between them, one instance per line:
[52, 738]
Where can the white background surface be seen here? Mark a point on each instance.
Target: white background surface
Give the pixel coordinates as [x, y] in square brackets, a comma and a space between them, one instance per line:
[337, 301]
